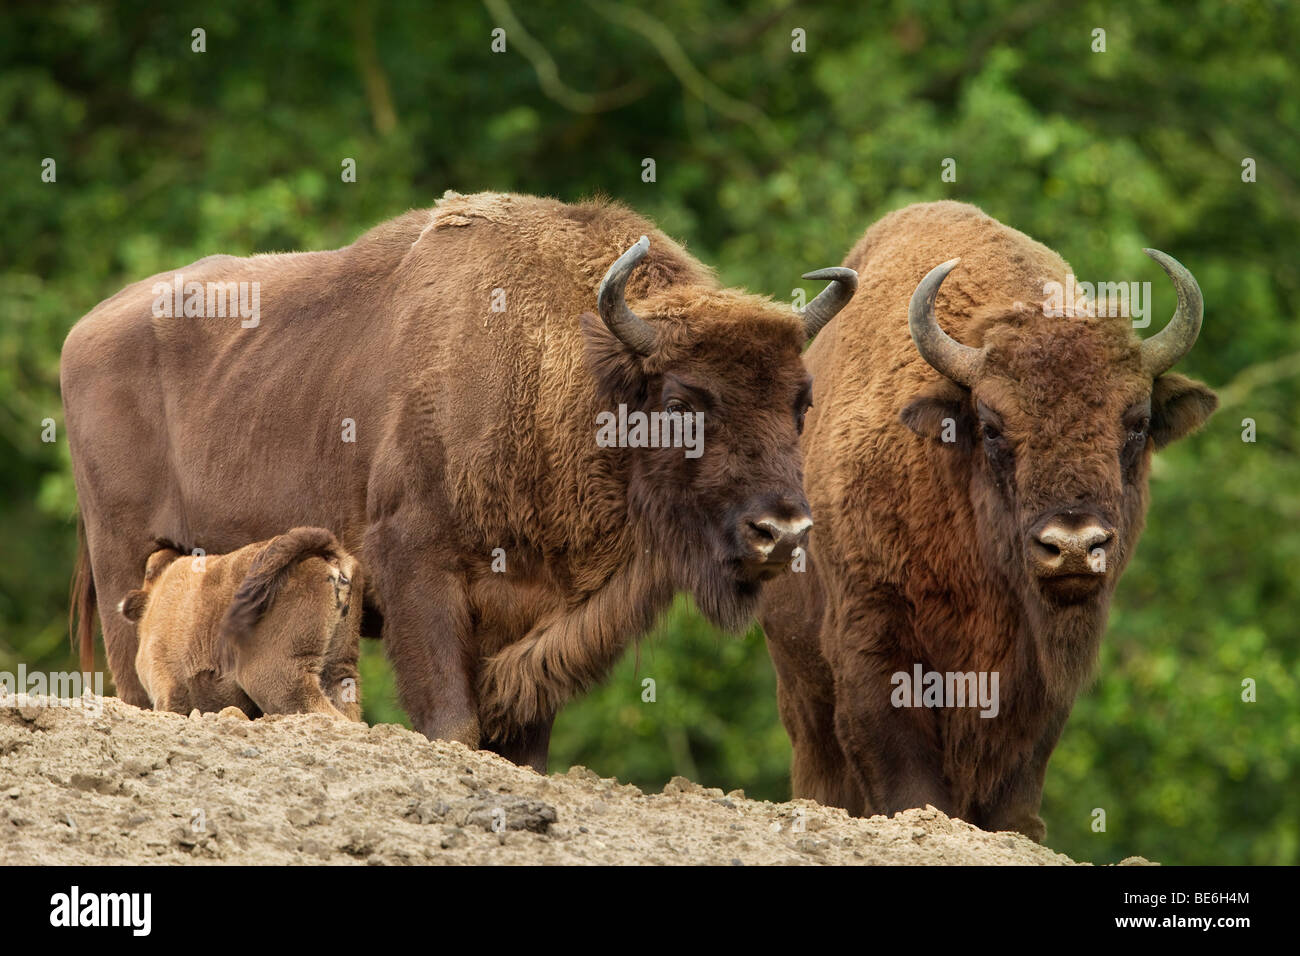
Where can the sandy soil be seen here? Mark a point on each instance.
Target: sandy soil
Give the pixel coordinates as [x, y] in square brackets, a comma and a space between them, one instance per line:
[133, 786]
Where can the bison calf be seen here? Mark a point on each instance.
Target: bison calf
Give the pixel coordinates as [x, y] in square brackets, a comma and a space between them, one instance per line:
[271, 628]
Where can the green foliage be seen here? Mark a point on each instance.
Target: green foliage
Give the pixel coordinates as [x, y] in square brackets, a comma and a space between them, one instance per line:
[769, 163]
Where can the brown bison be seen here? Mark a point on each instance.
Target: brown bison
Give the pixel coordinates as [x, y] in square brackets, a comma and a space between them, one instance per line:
[432, 392]
[270, 628]
[977, 492]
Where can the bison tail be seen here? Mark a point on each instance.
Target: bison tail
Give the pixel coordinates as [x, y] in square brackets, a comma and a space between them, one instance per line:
[264, 579]
[81, 603]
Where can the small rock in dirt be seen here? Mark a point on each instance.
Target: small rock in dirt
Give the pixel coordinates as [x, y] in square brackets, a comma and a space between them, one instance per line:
[300, 817]
[96, 782]
[362, 844]
[13, 793]
[425, 811]
[316, 848]
[682, 785]
[250, 752]
[231, 713]
[495, 812]
[454, 839]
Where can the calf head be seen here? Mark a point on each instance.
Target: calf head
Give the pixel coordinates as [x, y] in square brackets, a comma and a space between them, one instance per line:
[721, 369]
[133, 604]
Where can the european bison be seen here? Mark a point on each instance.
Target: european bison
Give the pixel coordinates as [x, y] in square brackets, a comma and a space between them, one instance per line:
[977, 494]
[270, 628]
[431, 393]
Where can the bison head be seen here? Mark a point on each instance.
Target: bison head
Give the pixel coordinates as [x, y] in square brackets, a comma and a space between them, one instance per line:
[1053, 421]
[726, 511]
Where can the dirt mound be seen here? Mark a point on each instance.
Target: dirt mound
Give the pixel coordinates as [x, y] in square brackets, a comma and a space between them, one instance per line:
[123, 785]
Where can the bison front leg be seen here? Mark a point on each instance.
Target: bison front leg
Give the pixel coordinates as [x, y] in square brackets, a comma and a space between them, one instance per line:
[528, 747]
[817, 768]
[118, 565]
[895, 752]
[426, 631]
[1015, 804]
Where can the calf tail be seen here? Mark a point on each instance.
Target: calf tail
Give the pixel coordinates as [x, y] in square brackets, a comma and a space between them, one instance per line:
[264, 579]
[81, 603]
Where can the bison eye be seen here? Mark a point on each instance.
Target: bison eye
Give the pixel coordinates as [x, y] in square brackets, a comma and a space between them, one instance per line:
[990, 431]
[675, 406]
[1138, 432]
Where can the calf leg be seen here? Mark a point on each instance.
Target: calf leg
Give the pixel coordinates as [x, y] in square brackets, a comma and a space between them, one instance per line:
[339, 675]
[280, 686]
[341, 681]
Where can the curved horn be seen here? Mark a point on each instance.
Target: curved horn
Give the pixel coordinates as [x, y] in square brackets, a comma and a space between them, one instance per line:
[1162, 351]
[945, 354]
[844, 282]
[630, 329]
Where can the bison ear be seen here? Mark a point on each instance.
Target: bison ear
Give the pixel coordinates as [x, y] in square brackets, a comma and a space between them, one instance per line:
[616, 368]
[942, 414]
[1179, 406]
[132, 606]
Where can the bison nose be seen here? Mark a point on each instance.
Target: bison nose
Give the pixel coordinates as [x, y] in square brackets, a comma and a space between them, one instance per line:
[772, 540]
[1071, 544]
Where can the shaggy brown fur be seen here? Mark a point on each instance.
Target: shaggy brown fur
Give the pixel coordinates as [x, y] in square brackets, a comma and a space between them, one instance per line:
[271, 628]
[919, 552]
[475, 431]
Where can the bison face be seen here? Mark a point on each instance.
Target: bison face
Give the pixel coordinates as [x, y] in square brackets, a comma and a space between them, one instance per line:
[707, 433]
[704, 400]
[1055, 420]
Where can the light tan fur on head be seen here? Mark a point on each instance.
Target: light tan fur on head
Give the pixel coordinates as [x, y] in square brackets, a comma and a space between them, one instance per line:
[271, 628]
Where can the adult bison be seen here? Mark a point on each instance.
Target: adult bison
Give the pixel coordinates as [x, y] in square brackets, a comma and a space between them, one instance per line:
[977, 494]
[430, 393]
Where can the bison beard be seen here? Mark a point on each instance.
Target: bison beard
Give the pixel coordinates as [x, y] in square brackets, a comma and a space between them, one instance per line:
[978, 473]
[457, 346]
